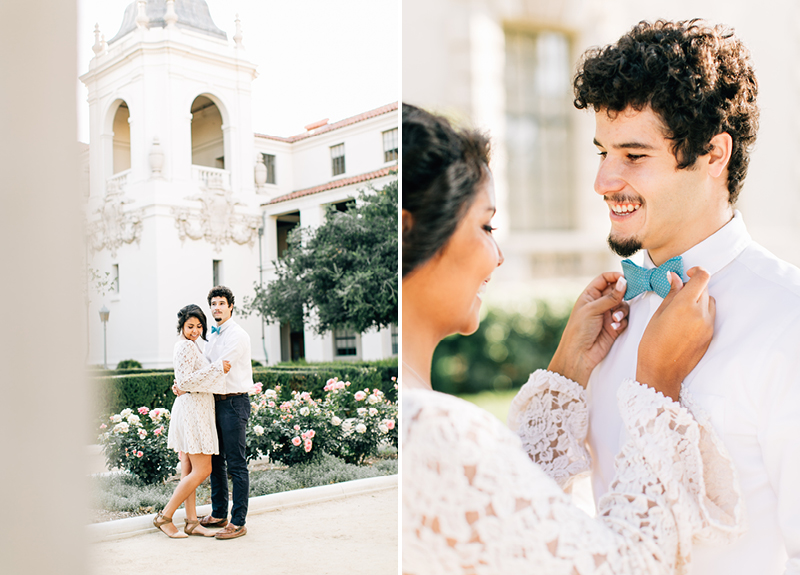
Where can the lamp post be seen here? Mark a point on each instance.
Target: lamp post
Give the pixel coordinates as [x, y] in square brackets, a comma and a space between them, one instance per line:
[104, 312]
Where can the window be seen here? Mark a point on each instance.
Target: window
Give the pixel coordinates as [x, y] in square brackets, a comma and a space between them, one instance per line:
[538, 107]
[394, 339]
[217, 271]
[115, 279]
[345, 341]
[337, 158]
[390, 145]
[269, 161]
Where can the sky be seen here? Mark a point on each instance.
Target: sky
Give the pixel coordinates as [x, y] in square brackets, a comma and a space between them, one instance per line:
[316, 59]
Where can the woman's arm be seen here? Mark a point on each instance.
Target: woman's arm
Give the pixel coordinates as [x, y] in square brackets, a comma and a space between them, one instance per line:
[208, 379]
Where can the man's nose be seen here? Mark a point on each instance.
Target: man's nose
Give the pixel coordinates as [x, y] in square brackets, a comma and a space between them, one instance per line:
[608, 180]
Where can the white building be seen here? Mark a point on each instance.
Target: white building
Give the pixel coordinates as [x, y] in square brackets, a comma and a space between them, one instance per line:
[507, 67]
[183, 195]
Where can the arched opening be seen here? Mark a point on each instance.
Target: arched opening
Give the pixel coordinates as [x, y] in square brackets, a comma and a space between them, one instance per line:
[122, 139]
[208, 146]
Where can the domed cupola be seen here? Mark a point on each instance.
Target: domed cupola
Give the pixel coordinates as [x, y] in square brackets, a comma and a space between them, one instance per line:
[191, 15]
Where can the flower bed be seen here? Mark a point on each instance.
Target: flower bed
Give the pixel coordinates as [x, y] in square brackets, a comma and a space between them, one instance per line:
[348, 423]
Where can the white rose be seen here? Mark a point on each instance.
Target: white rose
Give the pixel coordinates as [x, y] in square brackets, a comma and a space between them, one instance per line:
[347, 425]
[383, 429]
[303, 411]
[362, 411]
[125, 412]
[372, 399]
[373, 412]
[271, 393]
[133, 419]
[258, 430]
[121, 427]
[361, 428]
[336, 421]
[142, 433]
[116, 418]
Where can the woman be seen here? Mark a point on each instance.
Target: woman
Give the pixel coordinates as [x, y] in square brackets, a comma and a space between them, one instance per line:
[192, 430]
[473, 500]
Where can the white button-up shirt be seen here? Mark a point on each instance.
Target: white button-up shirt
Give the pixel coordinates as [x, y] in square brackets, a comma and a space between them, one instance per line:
[232, 344]
[748, 383]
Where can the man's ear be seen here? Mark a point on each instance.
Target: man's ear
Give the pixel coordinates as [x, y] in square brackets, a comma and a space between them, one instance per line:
[720, 155]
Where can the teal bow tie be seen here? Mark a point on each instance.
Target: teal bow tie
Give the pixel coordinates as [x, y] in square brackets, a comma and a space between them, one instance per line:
[215, 329]
[641, 280]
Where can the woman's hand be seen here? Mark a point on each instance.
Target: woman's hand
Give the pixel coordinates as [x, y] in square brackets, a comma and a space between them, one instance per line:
[678, 334]
[597, 319]
[226, 366]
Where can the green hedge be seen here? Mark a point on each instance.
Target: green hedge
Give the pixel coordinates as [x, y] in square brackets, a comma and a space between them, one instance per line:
[153, 388]
[505, 350]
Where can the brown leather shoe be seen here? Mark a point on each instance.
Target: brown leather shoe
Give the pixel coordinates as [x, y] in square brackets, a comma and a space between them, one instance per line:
[210, 521]
[231, 532]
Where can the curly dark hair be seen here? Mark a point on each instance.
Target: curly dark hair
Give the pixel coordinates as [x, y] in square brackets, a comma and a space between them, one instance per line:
[192, 310]
[221, 291]
[442, 168]
[697, 78]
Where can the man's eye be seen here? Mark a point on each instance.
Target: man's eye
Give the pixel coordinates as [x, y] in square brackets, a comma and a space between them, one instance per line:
[634, 157]
[602, 154]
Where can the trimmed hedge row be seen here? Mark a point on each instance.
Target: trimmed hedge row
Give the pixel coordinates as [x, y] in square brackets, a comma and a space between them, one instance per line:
[153, 389]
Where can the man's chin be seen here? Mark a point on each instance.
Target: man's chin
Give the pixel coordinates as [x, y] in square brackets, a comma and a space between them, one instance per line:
[624, 247]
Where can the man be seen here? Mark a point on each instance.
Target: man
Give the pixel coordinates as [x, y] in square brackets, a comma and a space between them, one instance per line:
[675, 118]
[230, 342]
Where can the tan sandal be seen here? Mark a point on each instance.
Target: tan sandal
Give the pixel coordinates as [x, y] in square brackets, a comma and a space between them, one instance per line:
[190, 527]
[160, 520]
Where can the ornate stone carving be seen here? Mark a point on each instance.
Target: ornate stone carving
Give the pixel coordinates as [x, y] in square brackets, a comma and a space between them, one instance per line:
[116, 226]
[216, 221]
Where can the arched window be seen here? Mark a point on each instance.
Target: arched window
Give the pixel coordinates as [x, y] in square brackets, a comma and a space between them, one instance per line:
[208, 147]
[122, 139]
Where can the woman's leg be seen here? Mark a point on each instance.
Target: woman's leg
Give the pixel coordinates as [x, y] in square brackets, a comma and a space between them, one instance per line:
[201, 468]
[190, 503]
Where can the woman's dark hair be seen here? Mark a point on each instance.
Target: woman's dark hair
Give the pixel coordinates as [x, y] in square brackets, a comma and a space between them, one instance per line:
[697, 78]
[442, 168]
[194, 311]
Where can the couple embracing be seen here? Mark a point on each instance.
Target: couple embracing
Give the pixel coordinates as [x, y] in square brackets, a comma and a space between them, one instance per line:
[209, 419]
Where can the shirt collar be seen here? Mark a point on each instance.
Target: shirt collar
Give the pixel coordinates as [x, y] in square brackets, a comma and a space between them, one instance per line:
[225, 325]
[717, 250]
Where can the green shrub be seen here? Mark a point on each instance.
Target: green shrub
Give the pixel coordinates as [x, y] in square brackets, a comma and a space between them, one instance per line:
[129, 364]
[505, 350]
[137, 443]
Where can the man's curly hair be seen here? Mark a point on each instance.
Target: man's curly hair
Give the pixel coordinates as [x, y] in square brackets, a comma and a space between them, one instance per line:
[697, 78]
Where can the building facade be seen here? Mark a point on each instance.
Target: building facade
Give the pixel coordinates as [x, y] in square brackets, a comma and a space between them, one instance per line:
[183, 195]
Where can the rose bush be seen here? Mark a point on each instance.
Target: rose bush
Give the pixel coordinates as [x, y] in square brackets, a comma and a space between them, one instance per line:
[137, 443]
[351, 424]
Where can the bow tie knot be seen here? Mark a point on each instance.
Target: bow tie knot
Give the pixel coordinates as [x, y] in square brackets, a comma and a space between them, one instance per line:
[215, 329]
[641, 280]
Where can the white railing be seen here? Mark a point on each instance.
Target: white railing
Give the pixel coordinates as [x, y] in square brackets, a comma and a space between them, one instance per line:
[116, 182]
[212, 178]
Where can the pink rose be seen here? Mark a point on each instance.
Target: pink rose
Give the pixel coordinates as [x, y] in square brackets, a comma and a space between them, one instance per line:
[103, 426]
[157, 431]
[390, 424]
[308, 446]
[296, 441]
[271, 404]
[297, 428]
[311, 433]
[139, 454]
[144, 410]
[360, 396]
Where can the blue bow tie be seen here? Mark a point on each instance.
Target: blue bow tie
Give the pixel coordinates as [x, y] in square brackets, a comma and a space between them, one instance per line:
[215, 329]
[641, 280]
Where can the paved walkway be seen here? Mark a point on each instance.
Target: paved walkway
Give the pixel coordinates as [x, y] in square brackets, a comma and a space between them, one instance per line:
[352, 535]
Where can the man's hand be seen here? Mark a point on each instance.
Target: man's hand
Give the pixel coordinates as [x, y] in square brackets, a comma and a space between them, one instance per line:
[176, 390]
[678, 334]
[597, 319]
[226, 366]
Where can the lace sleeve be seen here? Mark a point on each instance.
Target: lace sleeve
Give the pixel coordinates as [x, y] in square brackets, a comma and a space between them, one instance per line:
[550, 416]
[192, 375]
[474, 502]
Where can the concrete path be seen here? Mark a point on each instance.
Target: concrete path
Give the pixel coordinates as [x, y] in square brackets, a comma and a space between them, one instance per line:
[351, 535]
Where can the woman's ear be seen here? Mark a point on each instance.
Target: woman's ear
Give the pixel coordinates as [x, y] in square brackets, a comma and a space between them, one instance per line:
[720, 155]
[408, 221]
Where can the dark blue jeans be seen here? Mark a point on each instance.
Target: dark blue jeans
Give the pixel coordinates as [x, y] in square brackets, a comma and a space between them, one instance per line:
[232, 416]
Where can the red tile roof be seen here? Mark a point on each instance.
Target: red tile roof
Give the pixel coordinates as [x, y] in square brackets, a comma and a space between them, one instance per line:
[335, 184]
[336, 125]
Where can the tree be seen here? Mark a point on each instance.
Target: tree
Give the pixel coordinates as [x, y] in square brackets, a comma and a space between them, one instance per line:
[341, 274]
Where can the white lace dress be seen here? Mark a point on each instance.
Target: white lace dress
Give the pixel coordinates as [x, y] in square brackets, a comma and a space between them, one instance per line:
[192, 426]
[475, 502]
